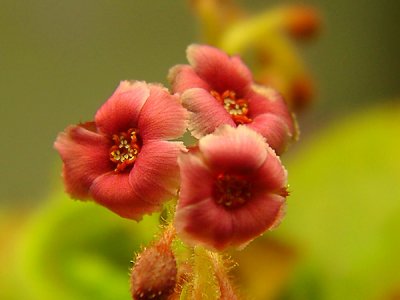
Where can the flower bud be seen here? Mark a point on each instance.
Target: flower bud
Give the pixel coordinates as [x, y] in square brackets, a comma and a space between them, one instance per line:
[302, 92]
[302, 22]
[154, 274]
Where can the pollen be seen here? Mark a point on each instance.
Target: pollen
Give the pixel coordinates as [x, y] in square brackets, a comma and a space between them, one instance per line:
[125, 149]
[237, 108]
[232, 191]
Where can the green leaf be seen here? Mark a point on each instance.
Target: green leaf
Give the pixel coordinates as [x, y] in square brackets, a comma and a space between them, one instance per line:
[344, 210]
[76, 250]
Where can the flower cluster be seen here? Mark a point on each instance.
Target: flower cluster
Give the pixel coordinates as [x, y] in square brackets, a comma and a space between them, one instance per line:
[232, 185]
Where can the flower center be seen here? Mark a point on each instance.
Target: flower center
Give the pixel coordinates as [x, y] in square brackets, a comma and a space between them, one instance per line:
[232, 191]
[125, 149]
[237, 108]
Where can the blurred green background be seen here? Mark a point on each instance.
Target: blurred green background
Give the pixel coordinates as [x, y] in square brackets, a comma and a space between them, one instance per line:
[60, 60]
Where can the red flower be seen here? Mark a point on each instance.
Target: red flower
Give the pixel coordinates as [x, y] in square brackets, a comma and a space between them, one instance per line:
[233, 188]
[218, 89]
[122, 160]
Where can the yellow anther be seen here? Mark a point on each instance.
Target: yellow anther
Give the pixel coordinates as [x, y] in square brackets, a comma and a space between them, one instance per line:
[237, 108]
[125, 149]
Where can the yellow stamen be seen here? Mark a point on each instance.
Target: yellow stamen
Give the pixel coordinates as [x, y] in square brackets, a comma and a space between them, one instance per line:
[237, 108]
[125, 149]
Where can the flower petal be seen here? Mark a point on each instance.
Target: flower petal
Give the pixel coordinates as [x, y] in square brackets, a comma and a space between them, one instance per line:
[217, 68]
[155, 174]
[205, 223]
[274, 129]
[113, 191]
[196, 180]
[121, 111]
[242, 68]
[272, 176]
[183, 77]
[85, 156]
[258, 215]
[267, 100]
[162, 116]
[264, 99]
[206, 114]
[239, 150]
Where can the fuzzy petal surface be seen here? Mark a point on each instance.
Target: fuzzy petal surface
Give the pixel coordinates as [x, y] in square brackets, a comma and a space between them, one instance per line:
[272, 176]
[274, 129]
[217, 68]
[85, 157]
[206, 114]
[242, 68]
[264, 100]
[257, 216]
[162, 116]
[155, 175]
[183, 77]
[121, 111]
[239, 150]
[204, 223]
[114, 191]
[196, 180]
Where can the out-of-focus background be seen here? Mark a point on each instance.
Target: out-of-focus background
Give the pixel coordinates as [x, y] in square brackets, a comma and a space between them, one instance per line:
[60, 60]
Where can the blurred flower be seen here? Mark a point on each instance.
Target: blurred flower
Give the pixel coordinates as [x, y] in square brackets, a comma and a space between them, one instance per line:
[233, 189]
[218, 89]
[122, 160]
[302, 92]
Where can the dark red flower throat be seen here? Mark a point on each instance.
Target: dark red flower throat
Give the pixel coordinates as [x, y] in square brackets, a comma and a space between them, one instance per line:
[232, 191]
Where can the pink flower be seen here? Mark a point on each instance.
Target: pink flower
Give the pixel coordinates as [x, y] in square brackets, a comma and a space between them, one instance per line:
[122, 160]
[233, 188]
[218, 89]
